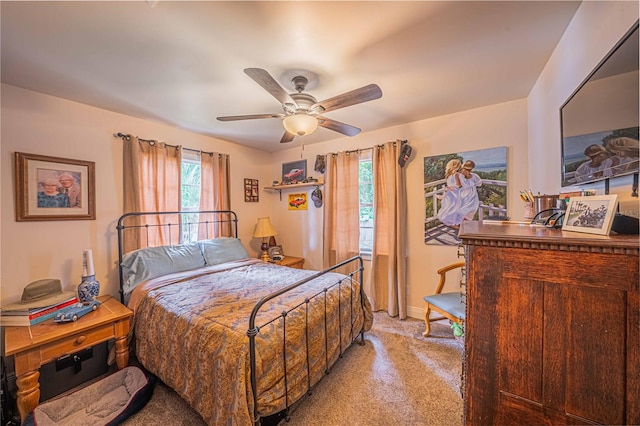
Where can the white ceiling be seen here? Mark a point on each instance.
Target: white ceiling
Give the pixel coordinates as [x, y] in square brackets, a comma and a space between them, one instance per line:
[181, 63]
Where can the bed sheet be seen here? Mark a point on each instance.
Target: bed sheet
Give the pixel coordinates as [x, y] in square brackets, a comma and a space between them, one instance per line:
[191, 331]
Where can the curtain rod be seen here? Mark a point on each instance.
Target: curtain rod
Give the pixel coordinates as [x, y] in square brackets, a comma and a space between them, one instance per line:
[151, 142]
[376, 146]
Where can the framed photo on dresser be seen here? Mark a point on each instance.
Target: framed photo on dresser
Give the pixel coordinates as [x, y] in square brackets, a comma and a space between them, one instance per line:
[593, 214]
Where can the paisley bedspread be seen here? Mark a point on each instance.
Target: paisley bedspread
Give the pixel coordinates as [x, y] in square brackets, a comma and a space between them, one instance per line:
[192, 333]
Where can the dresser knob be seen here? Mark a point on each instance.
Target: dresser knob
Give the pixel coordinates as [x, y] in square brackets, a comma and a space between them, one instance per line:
[80, 339]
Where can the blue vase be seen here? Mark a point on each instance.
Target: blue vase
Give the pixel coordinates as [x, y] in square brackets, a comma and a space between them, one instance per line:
[88, 289]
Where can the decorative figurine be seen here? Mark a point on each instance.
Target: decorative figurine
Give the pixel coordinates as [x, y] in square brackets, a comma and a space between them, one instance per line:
[75, 311]
[89, 288]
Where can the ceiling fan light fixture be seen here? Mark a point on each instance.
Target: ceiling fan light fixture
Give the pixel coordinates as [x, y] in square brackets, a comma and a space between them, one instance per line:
[300, 124]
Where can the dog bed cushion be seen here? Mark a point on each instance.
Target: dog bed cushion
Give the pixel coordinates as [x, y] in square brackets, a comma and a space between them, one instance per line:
[107, 402]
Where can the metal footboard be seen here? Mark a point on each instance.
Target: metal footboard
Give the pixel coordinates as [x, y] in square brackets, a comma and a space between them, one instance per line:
[253, 329]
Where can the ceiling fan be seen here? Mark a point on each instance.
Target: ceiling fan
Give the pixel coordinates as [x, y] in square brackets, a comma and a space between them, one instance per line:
[302, 111]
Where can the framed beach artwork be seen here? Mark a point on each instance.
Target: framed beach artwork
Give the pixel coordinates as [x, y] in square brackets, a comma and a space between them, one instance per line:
[593, 214]
[53, 188]
[461, 186]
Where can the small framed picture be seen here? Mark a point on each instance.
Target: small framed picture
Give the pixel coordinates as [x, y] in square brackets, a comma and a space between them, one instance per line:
[275, 253]
[593, 215]
[294, 172]
[298, 201]
[251, 194]
[54, 188]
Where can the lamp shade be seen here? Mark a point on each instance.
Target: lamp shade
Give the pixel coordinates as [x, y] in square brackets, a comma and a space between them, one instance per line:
[264, 228]
[300, 124]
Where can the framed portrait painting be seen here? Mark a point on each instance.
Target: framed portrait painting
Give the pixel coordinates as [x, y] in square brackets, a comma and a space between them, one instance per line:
[53, 188]
[593, 214]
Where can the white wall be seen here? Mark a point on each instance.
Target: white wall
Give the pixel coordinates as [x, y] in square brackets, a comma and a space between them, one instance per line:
[40, 124]
[596, 27]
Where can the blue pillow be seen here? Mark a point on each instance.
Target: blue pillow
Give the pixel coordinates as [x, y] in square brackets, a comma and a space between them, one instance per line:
[221, 250]
[152, 262]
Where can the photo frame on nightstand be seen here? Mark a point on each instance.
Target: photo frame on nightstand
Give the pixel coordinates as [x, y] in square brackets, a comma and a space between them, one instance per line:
[275, 253]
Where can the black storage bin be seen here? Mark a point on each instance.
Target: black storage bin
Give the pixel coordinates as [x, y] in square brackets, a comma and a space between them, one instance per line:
[72, 370]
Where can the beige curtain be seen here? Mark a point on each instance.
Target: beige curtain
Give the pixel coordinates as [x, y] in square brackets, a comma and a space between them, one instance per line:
[151, 183]
[341, 208]
[215, 193]
[388, 259]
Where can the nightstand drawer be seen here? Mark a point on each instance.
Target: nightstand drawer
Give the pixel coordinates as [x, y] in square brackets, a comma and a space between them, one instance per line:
[39, 344]
[75, 342]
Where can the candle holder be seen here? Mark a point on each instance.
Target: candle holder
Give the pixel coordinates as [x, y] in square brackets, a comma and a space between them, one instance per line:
[88, 289]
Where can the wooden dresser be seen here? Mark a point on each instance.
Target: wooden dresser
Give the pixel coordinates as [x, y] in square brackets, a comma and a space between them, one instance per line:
[552, 329]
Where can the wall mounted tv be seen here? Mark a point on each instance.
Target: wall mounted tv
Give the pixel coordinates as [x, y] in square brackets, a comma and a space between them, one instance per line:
[599, 121]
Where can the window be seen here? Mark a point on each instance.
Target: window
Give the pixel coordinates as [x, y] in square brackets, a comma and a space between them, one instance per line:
[190, 193]
[365, 172]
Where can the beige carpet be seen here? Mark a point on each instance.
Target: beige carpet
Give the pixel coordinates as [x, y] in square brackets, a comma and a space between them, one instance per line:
[397, 378]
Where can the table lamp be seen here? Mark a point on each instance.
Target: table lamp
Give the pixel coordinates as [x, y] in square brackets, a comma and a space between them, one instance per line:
[264, 230]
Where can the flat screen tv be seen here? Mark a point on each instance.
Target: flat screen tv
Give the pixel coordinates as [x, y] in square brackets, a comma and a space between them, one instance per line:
[599, 121]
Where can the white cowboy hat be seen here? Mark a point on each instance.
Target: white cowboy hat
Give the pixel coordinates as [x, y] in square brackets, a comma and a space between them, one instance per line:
[40, 294]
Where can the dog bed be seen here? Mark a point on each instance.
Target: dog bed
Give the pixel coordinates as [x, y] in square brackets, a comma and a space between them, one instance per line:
[107, 402]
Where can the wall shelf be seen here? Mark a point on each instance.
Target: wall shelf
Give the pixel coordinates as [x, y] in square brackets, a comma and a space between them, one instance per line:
[293, 186]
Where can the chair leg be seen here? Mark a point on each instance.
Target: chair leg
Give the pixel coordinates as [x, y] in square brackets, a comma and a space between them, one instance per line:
[427, 324]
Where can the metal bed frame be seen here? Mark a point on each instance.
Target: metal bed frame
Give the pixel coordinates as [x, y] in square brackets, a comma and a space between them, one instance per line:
[230, 217]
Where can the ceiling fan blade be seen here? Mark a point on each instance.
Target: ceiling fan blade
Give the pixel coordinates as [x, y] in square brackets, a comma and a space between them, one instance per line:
[337, 126]
[363, 94]
[268, 83]
[287, 137]
[249, 117]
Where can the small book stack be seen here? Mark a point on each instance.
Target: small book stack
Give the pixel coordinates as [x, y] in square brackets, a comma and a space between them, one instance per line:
[31, 316]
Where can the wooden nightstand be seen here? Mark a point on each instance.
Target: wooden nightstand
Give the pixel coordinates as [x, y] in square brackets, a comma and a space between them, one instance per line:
[291, 262]
[42, 343]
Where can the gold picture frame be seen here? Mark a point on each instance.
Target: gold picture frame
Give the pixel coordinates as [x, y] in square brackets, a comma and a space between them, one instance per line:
[592, 214]
[53, 188]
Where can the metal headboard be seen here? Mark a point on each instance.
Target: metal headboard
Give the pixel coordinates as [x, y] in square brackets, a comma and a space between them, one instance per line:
[187, 222]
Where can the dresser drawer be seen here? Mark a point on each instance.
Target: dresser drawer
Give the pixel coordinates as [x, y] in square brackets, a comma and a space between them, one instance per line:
[75, 342]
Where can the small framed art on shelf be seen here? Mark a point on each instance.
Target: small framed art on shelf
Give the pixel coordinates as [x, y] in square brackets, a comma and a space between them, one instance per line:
[593, 215]
[294, 172]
